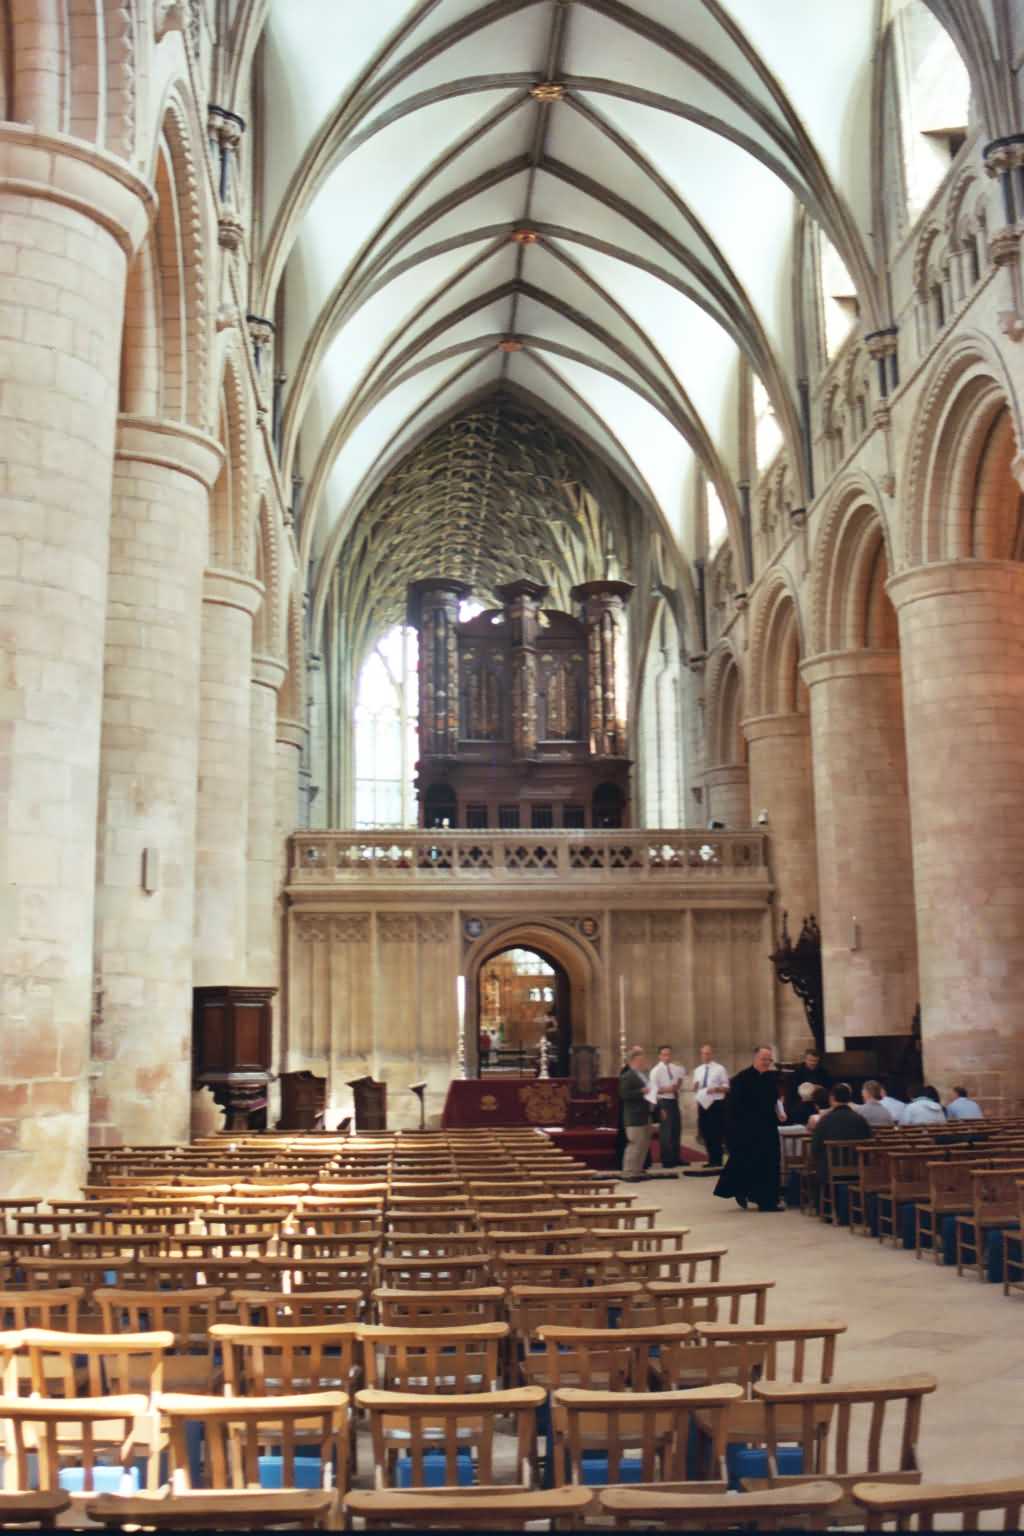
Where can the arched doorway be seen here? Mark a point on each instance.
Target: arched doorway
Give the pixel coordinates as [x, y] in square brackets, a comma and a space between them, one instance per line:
[523, 995]
[563, 948]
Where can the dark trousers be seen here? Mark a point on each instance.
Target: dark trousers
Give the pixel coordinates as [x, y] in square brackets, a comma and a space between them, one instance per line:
[709, 1124]
[670, 1130]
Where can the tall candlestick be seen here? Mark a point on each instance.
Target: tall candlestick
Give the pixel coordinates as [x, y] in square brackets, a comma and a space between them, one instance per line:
[460, 1003]
[622, 1017]
[543, 1056]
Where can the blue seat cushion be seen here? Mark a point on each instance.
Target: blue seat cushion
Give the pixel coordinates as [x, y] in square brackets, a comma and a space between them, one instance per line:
[434, 1473]
[308, 1470]
[595, 1469]
[123, 1480]
[752, 1461]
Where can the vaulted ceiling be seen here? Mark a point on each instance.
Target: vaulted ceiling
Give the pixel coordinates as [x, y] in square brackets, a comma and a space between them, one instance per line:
[588, 205]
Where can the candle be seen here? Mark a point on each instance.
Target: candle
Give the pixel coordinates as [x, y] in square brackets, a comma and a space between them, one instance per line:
[622, 1017]
[460, 999]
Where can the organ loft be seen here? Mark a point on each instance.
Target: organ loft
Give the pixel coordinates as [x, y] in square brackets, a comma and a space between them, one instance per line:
[523, 709]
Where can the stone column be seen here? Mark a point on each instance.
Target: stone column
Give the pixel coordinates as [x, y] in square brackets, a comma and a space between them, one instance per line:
[522, 601]
[291, 736]
[145, 857]
[865, 884]
[782, 783]
[728, 794]
[267, 677]
[70, 219]
[222, 813]
[962, 639]
[604, 617]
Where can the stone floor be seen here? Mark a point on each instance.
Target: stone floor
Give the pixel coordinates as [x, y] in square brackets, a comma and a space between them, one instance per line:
[903, 1316]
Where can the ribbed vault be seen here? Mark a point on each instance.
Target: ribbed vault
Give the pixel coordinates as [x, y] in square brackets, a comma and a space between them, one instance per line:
[496, 492]
[610, 187]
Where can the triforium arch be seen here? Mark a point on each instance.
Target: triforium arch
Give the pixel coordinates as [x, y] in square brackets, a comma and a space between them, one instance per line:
[777, 648]
[850, 609]
[232, 546]
[963, 499]
[269, 639]
[72, 69]
[724, 708]
[165, 349]
[554, 938]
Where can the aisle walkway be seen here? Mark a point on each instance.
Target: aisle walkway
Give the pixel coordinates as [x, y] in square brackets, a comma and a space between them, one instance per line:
[904, 1316]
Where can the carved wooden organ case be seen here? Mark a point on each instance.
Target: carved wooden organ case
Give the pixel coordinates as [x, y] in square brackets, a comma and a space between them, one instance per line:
[522, 709]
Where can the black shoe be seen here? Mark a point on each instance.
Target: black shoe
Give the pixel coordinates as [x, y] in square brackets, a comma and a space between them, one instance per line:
[741, 1201]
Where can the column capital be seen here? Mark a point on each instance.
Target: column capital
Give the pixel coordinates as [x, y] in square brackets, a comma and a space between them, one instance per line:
[766, 727]
[291, 733]
[170, 445]
[946, 578]
[831, 665]
[230, 589]
[77, 175]
[268, 672]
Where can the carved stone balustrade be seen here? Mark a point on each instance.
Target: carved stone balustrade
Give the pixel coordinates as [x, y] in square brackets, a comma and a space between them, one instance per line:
[419, 860]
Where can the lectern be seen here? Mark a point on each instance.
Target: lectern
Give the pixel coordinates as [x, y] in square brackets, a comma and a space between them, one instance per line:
[420, 1089]
[371, 1104]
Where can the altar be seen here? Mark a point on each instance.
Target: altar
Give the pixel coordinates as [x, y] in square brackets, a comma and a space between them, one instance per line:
[539, 1101]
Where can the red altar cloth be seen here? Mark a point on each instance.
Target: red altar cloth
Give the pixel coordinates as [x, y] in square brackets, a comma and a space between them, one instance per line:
[520, 1101]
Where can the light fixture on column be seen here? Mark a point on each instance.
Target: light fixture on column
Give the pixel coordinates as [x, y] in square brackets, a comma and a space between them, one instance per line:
[150, 870]
[854, 934]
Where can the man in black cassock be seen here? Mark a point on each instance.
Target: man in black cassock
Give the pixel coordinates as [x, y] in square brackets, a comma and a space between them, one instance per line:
[752, 1172]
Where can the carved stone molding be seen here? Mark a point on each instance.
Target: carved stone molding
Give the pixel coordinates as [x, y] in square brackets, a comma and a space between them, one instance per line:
[666, 927]
[319, 928]
[434, 929]
[396, 927]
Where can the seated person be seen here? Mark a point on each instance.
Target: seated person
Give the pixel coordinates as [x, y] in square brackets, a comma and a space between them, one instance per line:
[896, 1107]
[804, 1107]
[842, 1123]
[872, 1109]
[810, 1070]
[819, 1107]
[962, 1107]
[924, 1108]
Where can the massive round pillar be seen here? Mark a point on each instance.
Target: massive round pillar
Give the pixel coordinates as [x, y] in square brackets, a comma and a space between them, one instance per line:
[727, 793]
[962, 638]
[782, 785]
[261, 870]
[222, 813]
[145, 857]
[862, 816]
[70, 219]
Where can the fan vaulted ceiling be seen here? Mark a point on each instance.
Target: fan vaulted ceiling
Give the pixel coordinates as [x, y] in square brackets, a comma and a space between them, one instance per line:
[587, 204]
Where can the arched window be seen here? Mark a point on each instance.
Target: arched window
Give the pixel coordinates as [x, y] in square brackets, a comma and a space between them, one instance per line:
[767, 432]
[935, 94]
[385, 732]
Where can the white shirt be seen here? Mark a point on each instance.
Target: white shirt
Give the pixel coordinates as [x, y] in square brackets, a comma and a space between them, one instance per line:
[896, 1107]
[963, 1109]
[923, 1111]
[667, 1078]
[710, 1083]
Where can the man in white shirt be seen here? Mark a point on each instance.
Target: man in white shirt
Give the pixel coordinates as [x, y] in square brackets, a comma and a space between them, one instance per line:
[924, 1109]
[710, 1085]
[666, 1081]
[962, 1107]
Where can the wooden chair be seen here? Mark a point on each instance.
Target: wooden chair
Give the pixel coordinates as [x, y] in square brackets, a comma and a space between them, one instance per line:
[41, 1309]
[640, 1240]
[772, 1509]
[430, 1245]
[481, 1509]
[102, 1437]
[298, 1308]
[440, 1309]
[550, 1270]
[678, 1265]
[356, 1273]
[431, 1220]
[949, 1194]
[1013, 1249]
[908, 1184]
[916, 1508]
[994, 1205]
[608, 1359]
[20, 1511]
[872, 1180]
[705, 1302]
[516, 1241]
[841, 1167]
[252, 1442]
[188, 1316]
[434, 1359]
[216, 1510]
[602, 1438]
[533, 1307]
[279, 1362]
[840, 1432]
[75, 1365]
[407, 1428]
[467, 1270]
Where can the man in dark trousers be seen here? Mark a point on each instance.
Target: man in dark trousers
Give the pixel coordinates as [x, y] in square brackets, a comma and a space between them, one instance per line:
[842, 1123]
[810, 1070]
[635, 1098]
[753, 1113]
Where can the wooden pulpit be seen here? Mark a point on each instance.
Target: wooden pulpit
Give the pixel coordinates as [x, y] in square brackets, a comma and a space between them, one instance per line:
[371, 1104]
[303, 1101]
[231, 1049]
